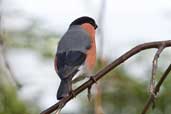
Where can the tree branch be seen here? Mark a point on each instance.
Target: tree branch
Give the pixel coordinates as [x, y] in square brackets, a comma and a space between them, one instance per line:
[105, 70]
[156, 90]
[154, 70]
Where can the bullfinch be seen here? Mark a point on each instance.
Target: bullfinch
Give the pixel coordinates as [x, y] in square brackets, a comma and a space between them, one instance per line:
[75, 49]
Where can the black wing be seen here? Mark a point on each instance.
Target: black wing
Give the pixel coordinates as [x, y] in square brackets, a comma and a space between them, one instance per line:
[69, 62]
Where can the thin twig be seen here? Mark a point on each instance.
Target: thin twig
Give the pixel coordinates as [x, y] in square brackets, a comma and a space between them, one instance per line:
[3, 49]
[154, 70]
[16, 82]
[7, 65]
[107, 69]
[156, 90]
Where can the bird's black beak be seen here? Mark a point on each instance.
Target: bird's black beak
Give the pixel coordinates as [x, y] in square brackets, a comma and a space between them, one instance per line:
[95, 26]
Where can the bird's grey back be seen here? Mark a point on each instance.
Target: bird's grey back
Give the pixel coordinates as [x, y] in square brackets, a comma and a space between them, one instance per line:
[75, 39]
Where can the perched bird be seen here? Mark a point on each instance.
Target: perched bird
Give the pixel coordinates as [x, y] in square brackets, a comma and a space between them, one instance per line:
[76, 48]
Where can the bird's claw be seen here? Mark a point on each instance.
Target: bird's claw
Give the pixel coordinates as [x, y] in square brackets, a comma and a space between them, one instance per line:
[72, 93]
[93, 79]
[89, 88]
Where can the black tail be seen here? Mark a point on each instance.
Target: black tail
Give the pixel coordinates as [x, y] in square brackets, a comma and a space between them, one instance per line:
[64, 89]
[65, 86]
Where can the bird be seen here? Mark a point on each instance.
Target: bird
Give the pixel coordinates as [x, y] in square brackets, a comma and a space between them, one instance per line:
[75, 49]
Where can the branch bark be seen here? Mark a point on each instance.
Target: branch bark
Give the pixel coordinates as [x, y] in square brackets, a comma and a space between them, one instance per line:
[154, 70]
[156, 90]
[105, 70]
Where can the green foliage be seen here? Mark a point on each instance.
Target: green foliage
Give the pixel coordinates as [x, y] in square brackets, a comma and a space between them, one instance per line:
[34, 37]
[10, 103]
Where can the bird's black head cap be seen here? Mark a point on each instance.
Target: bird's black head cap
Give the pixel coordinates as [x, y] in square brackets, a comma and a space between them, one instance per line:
[84, 19]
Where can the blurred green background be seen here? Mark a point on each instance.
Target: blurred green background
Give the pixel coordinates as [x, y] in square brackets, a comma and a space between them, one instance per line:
[28, 82]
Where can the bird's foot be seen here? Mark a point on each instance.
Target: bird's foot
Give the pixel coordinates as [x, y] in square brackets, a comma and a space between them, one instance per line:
[93, 79]
[72, 94]
[89, 95]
